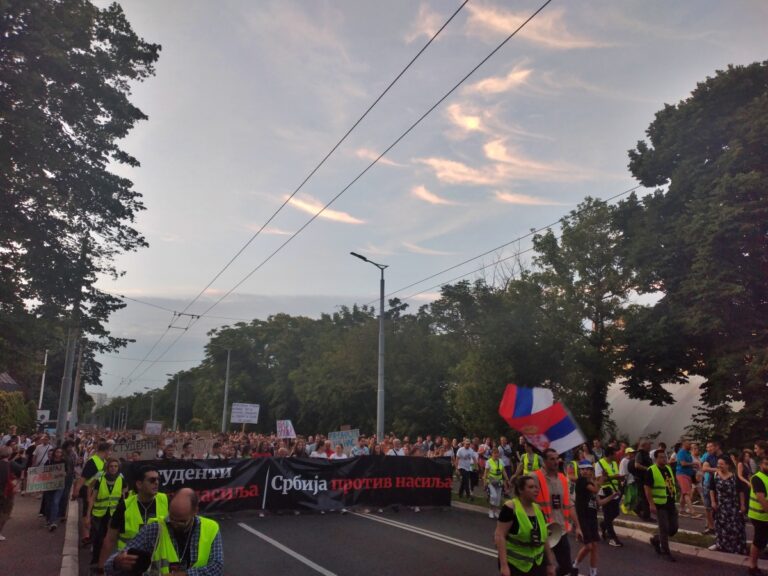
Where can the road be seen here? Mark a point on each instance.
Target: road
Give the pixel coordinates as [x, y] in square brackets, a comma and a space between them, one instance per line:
[444, 541]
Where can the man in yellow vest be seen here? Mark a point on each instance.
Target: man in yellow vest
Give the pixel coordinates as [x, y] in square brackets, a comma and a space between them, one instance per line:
[758, 513]
[93, 466]
[661, 492]
[609, 480]
[102, 503]
[184, 543]
[530, 461]
[146, 505]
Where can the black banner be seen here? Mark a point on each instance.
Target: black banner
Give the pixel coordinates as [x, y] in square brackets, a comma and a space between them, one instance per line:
[307, 483]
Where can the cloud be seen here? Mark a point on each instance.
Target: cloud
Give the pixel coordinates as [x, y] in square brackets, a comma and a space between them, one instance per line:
[170, 237]
[416, 249]
[497, 150]
[548, 29]
[313, 206]
[275, 231]
[376, 250]
[466, 121]
[516, 78]
[368, 154]
[525, 200]
[423, 194]
[426, 24]
[453, 172]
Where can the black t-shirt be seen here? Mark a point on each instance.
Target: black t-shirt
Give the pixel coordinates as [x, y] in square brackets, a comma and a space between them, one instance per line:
[669, 480]
[507, 514]
[586, 501]
[90, 470]
[758, 485]
[118, 518]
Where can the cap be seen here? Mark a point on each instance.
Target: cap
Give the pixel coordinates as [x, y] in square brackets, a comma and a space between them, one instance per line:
[629, 450]
[585, 464]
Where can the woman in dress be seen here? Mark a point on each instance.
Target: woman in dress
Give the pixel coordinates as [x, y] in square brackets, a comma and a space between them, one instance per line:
[728, 505]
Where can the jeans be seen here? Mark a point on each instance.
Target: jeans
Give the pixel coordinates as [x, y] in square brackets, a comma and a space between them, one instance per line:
[51, 503]
[465, 483]
[610, 513]
[562, 552]
[666, 517]
[98, 531]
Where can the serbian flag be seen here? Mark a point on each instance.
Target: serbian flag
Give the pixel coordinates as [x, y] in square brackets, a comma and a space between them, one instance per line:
[544, 422]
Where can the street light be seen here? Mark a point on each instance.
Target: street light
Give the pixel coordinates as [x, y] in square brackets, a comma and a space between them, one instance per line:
[151, 402]
[176, 406]
[380, 387]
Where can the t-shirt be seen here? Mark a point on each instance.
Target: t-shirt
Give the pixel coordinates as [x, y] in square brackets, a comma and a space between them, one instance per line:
[712, 459]
[341, 456]
[394, 452]
[90, 470]
[586, 500]
[507, 514]
[320, 454]
[624, 470]
[669, 481]
[758, 485]
[465, 457]
[684, 455]
[506, 454]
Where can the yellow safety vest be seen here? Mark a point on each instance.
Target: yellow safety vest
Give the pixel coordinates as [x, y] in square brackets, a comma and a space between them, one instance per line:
[659, 489]
[165, 554]
[134, 520]
[106, 499]
[495, 469]
[609, 469]
[529, 466]
[756, 511]
[522, 551]
[99, 469]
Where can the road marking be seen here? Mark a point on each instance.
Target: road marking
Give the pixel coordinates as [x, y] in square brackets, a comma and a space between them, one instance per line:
[430, 534]
[276, 544]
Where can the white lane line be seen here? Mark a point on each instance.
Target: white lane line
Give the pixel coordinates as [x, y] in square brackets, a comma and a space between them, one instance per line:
[429, 534]
[276, 544]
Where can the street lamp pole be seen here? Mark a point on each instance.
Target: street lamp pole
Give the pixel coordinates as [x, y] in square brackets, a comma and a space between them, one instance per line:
[176, 406]
[151, 402]
[226, 397]
[380, 386]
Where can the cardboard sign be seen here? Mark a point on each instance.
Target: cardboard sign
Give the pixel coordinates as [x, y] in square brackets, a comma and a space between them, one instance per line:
[43, 416]
[244, 413]
[43, 478]
[347, 438]
[285, 429]
[153, 428]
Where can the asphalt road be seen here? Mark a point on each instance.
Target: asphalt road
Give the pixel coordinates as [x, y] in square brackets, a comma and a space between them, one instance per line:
[442, 541]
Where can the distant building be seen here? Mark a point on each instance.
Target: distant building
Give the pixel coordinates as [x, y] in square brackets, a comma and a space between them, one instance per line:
[100, 399]
[8, 384]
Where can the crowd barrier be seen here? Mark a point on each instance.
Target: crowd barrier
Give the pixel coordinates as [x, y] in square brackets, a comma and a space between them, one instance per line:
[307, 483]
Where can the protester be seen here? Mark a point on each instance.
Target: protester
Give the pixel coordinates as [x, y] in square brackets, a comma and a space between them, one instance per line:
[530, 461]
[521, 534]
[495, 480]
[758, 512]
[555, 501]
[397, 449]
[215, 453]
[729, 506]
[661, 492]
[183, 543]
[708, 467]
[465, 459]
[587, 502]
[629, 499]
[42, 451]
[642, 463]
[339, 453]
[609, 479]
[597, 448]
[52, 498]
[684, 474]
[102, 503]
[11, 467]
[360, 449]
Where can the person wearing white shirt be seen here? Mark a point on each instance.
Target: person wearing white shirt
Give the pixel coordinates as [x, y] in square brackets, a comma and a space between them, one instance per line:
[397, 449]
[339, 453]
[465, 459]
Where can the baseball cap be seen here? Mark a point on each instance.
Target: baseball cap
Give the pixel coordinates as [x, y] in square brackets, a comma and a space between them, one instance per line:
[585, 464]
[629, 450]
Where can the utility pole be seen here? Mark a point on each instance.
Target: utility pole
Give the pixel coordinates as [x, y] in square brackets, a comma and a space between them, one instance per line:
[66, 385]
[226, 396]
[176, 407]
[42, 381]
[76, 395]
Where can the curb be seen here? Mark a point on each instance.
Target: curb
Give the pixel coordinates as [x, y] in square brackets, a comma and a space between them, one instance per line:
[70, 561]
[642, 536]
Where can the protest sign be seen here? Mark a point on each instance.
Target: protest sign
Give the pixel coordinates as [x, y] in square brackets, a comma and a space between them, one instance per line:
[43, 478]
[244, 413]
[347, 438]
[146, 448]
[153, 428]
[285, 429]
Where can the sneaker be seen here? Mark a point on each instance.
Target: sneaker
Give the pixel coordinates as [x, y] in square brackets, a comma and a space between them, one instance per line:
[490, 514]
[51, 527]
[416, 509]
[708, 531]
[714, 547]
[296, 513]
[615, 543]
[381, 510]
[2, 538]
[656, 544]
[344, 510]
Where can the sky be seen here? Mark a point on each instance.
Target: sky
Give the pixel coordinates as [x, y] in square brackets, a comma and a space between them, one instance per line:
[250, 96]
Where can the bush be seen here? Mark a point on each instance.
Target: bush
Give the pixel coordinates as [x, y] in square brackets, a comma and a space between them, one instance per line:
[15, 411]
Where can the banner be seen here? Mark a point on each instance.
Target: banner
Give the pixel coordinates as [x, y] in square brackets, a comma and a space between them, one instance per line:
[42, 478]
[285, 429]
[43, 416]
[308, 483]
[347, 438]
[146, 448]
[244, 413]
[153, 428]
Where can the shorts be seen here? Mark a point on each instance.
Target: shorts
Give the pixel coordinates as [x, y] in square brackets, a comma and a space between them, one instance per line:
[706, 498]
[761, 534]
[589, 529]
[685, 483]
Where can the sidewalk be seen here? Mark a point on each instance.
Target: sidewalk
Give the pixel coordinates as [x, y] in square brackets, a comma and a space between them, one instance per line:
[29, 547]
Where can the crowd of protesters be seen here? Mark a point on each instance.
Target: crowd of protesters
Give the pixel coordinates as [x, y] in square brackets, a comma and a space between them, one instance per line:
[653, 482]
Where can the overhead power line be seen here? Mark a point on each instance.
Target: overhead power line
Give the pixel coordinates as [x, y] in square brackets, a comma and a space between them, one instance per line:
[298, 188]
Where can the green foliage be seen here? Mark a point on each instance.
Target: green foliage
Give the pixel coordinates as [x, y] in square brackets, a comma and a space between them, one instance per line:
[15, 411]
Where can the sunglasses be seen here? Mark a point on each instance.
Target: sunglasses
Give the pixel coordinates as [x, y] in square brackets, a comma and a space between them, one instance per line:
[152, 479]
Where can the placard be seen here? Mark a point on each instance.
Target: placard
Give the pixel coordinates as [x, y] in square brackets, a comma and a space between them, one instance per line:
[244, 413]
[43, 416]
[43, 478]
[347, 438]
[146, 448]
[153, 428]
[285, 429]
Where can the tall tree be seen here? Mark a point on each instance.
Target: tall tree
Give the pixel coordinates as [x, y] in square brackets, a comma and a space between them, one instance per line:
[701, 240]
[66, 68]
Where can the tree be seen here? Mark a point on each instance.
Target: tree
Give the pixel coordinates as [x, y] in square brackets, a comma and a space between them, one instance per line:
[700, 241]
[65, 73]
